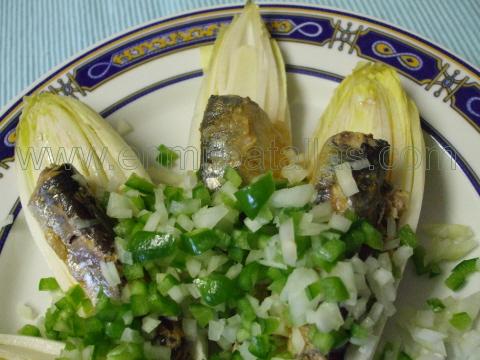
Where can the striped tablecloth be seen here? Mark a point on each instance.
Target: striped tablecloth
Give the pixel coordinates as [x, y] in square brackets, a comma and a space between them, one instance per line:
[36, 35]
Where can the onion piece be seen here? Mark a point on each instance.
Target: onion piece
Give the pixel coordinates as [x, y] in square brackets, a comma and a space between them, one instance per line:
[109, 271]
[345, 179]
[215, 329]
[297, 196]
[339, 222]
[149, 324]
[208, 217]
[287, 242]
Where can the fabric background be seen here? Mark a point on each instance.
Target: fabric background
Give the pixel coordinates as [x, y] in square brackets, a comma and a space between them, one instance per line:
[36, 35]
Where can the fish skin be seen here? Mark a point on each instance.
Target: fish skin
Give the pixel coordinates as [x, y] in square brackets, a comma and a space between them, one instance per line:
[370, 202]
[75, 226]
[236, 132]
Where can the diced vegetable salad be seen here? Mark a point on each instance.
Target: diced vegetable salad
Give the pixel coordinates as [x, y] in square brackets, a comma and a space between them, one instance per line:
[253, 271]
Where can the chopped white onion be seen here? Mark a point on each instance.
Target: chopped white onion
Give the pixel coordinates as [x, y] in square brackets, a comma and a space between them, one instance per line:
[322, 212]
[129, 335]
[215, 329]
[124, 256]
[391, 227]
[149, 323]
[287, 242]
[189, 328]
[127, 317]
[234, 271]
[345, 179]
[256, 329]
[308, 228]
[359, 164]
[119, 206]
[26, 312]
[344, 270]
[177, 293]
[294, 173]
[193, 267]
[254, 255]
[297, 196]
[193, 291]
[162, 175]
[339, 222]
[208, 217]
[109, 271]
[185, 222]
[327, 317]
[215, 262]
[157, 352]
[155, 219]
[297, 341]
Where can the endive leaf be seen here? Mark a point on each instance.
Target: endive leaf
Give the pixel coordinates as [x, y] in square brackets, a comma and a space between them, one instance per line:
[371, 100]
[54, 130]
[244, 61]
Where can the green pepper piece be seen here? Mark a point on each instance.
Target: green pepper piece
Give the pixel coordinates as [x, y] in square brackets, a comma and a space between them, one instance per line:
[373, 237]
[458, 277]
[201, 313]
[332, 288]
[260, 346]
[436, 305]
[48, 284]
[138, 183]
[166, 157]
[249, 276]
[407, 236]
[29, 330]
[133, 272]
[251, 198]
[332, 250]
[232, 176]
[147, 245]
[461, 321]
[198, 241]
[201, 192]
[215, 289]
[124, 227]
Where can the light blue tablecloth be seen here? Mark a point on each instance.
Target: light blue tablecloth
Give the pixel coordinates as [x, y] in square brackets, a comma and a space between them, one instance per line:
[36, 35]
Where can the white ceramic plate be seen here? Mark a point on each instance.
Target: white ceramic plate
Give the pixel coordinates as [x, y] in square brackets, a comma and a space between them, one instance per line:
[150, 76]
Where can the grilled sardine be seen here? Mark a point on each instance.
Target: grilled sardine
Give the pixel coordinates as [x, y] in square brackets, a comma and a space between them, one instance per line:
[370, 202]
[236, 132]
[75, 226]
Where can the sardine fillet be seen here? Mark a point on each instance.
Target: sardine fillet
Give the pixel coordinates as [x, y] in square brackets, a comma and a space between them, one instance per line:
[75, 226]
[236, 132]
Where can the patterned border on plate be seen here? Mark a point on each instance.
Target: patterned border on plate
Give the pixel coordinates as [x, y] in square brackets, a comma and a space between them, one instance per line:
[319, 27]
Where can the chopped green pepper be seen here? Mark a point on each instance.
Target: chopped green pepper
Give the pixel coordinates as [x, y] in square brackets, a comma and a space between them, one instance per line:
[461, 321]
[138, 183]
[48, 284]
[198, 241]
[249, 276]
[166, 284]
[124, 227]
[458, 277]
[29, 330]
[147, 245]
[251, 198]
[260, 346]
[332, 250]
[215, 289]
[436, 305]
[332, 288]
[166, 157]
[232, 176]
[201, 313]
[132, 272]
[373, 237]
[201, 193]
[407, 236]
